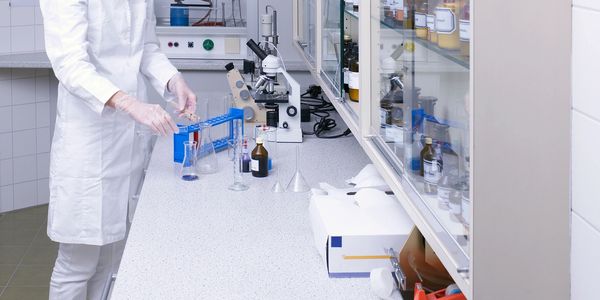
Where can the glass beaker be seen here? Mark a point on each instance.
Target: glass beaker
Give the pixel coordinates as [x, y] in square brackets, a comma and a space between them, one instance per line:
[189, 171]
[207, 157]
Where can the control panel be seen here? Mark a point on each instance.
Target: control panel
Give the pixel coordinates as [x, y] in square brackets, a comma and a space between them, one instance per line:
[203, 42]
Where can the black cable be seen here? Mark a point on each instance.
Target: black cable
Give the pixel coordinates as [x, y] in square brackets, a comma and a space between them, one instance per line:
[321, 108]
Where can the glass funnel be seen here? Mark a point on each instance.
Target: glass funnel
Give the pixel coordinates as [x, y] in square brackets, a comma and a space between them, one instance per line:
[207, 157]
[298, 183]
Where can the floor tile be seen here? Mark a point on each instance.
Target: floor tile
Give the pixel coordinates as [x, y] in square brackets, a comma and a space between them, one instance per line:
[32, 276]
[45, 255]
[20, 220]
[6, 272]
[42, 239]
[36, 210]
[11, 254]
[17, 237]
[21, 293]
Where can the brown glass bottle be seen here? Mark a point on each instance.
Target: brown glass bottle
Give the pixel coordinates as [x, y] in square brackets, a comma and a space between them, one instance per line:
[260, 160]
[354, 81]
[421, 19]
[427, 154]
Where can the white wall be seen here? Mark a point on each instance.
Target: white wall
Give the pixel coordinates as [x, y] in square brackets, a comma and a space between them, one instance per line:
[25, 111]
[585, 255]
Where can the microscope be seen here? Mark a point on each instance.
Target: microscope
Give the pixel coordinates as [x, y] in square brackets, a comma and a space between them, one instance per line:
[280, 96]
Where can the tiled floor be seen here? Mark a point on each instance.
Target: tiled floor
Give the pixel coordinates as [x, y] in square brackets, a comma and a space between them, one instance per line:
[26, 254]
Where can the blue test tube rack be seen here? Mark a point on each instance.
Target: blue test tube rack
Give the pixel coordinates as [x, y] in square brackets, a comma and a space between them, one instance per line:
[193, 131]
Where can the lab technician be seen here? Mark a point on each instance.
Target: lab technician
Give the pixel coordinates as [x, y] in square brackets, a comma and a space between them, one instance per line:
[101, 51]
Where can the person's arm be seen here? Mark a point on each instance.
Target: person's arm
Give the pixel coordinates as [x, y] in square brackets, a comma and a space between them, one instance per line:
[65, 28]
[155, 64]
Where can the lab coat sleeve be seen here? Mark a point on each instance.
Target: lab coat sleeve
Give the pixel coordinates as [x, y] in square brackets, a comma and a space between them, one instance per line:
[65, 28]
[155, 64]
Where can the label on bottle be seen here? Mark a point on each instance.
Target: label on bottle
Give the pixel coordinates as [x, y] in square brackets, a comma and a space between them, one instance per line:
[444, 195]
[354, 80]
[431, 23]
[445, 20]
[346, 76]
[420, 20]
[254, 165]
[465, 30]
[431, 170]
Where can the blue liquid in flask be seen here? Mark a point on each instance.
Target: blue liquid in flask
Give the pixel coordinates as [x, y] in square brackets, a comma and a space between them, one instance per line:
[189, 177]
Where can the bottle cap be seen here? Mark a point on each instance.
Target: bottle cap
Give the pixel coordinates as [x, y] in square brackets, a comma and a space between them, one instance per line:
[428, 140]
[259, 140]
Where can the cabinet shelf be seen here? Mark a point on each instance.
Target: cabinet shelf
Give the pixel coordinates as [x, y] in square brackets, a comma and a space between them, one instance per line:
[452, 55]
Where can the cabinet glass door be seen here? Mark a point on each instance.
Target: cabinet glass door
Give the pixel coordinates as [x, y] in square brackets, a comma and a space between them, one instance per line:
[420, 109]
[331, 44]
[307, 25]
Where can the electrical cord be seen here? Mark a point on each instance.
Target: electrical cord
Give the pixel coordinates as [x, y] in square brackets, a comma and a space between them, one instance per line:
[321, 108]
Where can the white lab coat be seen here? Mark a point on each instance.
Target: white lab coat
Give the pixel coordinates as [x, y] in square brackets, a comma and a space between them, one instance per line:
[97, 47]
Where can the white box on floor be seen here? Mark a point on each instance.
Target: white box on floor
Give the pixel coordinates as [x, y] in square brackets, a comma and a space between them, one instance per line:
[352, 233]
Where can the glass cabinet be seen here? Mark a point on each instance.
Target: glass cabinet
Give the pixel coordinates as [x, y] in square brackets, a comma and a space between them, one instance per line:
[419, 103]
[402, 75]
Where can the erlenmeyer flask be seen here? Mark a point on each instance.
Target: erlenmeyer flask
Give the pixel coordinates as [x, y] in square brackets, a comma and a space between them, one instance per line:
[207, 157]
[188, 166]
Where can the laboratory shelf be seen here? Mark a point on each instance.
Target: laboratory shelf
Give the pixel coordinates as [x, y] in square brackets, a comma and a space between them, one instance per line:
[452, 55]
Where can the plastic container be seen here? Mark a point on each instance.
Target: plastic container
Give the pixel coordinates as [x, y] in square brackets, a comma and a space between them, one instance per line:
[180, 15]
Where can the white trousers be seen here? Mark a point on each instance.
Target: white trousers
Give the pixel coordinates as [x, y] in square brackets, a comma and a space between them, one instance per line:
[81, 271]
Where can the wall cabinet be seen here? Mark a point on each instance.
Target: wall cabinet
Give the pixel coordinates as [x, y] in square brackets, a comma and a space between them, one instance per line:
[458, 123]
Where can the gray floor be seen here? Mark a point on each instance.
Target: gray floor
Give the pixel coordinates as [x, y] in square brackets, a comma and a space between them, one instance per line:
[26, 254]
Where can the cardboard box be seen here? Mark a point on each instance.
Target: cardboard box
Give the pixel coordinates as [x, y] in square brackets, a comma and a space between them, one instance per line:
[417, 256]
[352, 233]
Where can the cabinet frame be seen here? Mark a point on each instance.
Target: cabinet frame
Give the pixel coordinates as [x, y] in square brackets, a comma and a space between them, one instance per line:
[538, 74]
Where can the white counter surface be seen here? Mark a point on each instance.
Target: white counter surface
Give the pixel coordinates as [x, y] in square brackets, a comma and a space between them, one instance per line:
[198, 240]
[39, 60]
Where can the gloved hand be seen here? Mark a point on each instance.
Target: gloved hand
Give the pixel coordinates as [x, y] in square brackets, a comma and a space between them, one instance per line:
[150, 115]
[186, 99]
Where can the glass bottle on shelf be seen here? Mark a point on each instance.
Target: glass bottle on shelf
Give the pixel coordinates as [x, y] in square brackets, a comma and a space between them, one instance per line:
[421, 29]
[349, 5]
[456, 203]
[354, 81]
[432, 169]
[427, 155]
[465, 28]
[466, 205]
[398, 9]
[445, 186]
[409, 14]
[346, 58]
[432, 34]
[446, 24]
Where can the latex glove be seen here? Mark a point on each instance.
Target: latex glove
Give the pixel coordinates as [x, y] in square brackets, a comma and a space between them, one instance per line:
[150, 115]
[186, 99]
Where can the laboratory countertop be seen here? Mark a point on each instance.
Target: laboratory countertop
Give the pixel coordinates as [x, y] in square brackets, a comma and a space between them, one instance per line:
[39, 60]
[198, 240]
